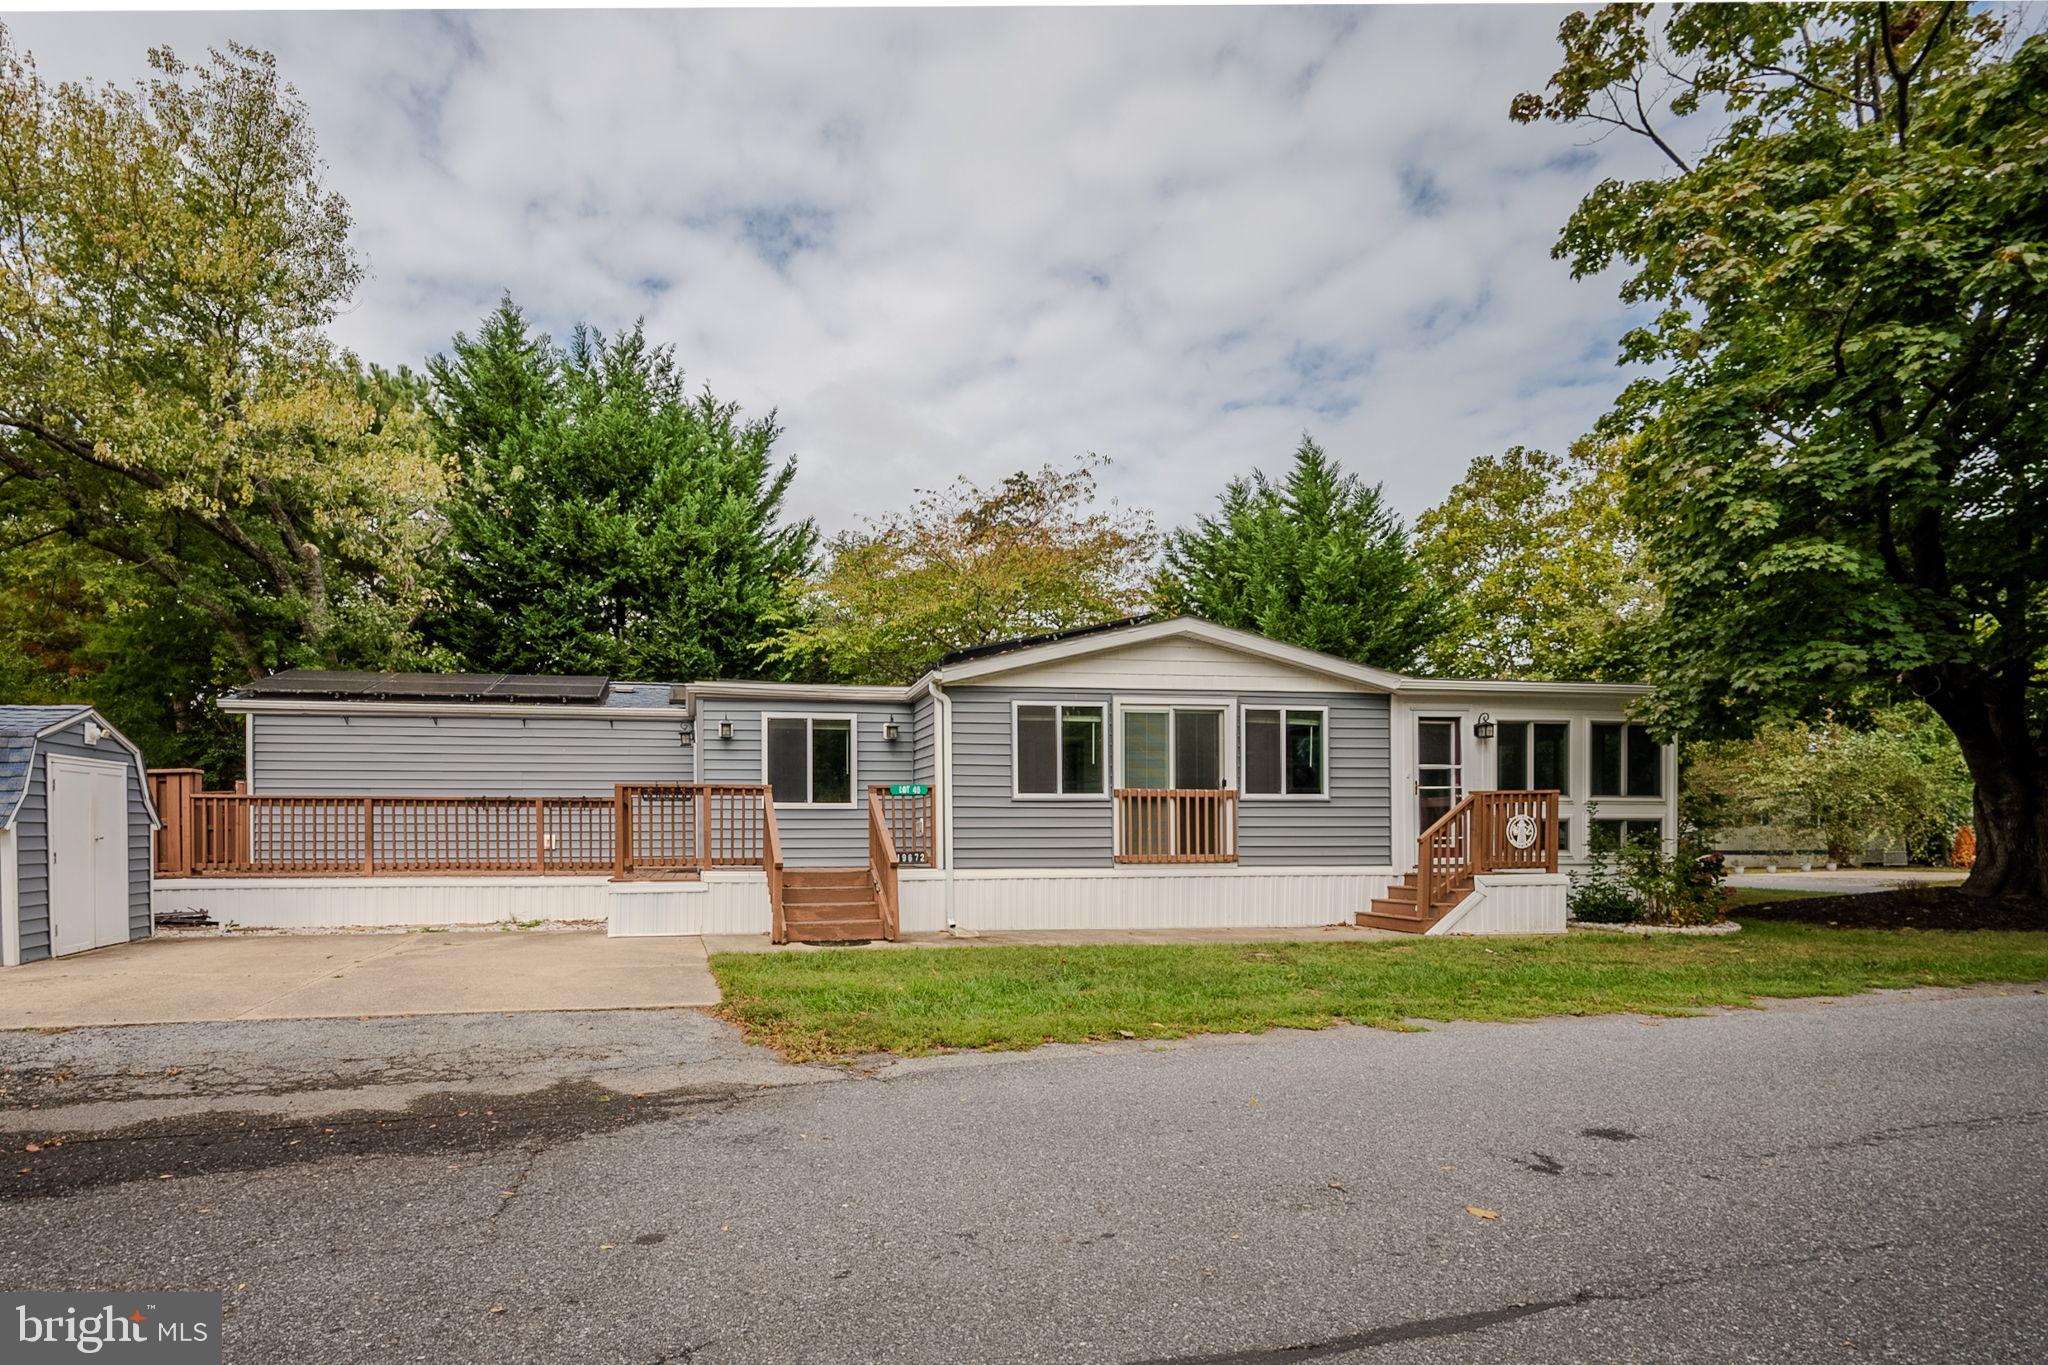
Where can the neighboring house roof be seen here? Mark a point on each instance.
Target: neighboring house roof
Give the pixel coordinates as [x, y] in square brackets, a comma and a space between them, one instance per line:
[22, 726]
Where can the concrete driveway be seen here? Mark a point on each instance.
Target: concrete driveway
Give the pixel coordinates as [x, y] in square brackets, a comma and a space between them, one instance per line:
[185, 980]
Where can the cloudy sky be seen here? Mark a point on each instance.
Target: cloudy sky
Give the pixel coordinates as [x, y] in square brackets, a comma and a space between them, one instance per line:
[970, 241]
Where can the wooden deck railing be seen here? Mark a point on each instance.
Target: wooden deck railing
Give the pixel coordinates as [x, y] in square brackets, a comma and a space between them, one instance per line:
[882, 855]
[229, 834]
[1176, 825]
[771, 863]
[1492, 831]
[912, 824]
[667, 827]
[641, 830]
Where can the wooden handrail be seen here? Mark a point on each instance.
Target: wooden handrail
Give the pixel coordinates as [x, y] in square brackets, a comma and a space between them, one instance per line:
[771, 863]
[1176, 825]
[1479, 834]
[882, 865]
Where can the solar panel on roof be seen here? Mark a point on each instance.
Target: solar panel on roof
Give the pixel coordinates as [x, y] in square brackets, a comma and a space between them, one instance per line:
[317, 682]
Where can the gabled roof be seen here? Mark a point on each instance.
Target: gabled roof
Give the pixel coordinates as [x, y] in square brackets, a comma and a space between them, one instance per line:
[22, 726]
[995, 660]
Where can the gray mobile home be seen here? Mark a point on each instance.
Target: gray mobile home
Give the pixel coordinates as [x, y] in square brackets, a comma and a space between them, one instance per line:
[1151, 773]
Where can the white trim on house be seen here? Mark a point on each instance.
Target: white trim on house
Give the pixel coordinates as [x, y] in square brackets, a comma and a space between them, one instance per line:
[1245, 792]
[1060, 706]
[855, 796]
[1243, 642]
[10, 899]
[780, 690]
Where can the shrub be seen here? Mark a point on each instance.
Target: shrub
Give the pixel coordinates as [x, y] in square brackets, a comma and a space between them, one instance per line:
[1637, 884]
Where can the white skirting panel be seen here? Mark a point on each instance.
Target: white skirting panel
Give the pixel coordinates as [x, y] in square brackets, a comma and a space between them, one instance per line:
[1139, 898]
[1510, 903]
[722, 903]
[382, 902]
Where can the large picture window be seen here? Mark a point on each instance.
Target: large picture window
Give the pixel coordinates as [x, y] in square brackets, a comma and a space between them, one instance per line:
[808, 760]
[1533, 755]
[1626, 761]
[1060, 750]
[1286, 751]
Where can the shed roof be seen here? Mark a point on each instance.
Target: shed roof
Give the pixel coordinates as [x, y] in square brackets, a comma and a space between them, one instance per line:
[19, 726]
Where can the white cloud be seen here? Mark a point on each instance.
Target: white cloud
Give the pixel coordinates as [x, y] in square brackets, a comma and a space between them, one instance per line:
[950, 242]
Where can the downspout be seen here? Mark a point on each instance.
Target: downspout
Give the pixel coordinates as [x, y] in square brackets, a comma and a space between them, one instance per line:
[944, 763]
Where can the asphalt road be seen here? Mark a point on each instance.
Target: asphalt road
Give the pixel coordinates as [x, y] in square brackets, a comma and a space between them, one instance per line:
[1861, 1180]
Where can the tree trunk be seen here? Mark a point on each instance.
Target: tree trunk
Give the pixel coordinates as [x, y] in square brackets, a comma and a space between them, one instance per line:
[1989, 719]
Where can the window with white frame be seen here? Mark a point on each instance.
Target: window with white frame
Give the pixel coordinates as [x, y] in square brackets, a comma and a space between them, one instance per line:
[1286, 751]
[808, 760]
[1059, 749]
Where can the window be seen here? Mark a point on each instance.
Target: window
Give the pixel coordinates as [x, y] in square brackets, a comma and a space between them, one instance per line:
[1059, 750]
[1626, 761]
[1615, 833]
[808, 760]
[1534, 756]
[1564, 836]
[1286, 752]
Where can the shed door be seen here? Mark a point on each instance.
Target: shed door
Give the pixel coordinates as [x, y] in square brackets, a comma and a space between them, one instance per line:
[88, 811]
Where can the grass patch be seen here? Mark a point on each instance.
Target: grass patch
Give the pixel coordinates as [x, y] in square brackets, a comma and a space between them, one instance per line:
[835, 1004]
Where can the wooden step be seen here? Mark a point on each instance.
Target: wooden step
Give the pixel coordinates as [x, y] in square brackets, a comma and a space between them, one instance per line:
[836, 930]
[1401, 918]
[809, 894]
[809, 877]
[821, 911]
[1400, 891]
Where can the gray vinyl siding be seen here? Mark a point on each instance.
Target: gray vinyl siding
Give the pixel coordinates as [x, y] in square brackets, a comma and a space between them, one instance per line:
[994, 829]
[402, 755]
[835, 836]
[32, 840]
[924, 739]
[991, 827]
[1355, 826]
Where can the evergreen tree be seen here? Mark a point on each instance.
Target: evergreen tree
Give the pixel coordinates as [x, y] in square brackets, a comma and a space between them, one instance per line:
[604, 520]
[1317, 560]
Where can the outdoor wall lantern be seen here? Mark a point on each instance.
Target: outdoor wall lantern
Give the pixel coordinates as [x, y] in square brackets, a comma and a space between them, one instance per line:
[689, 731]
[890, 730]
[1483, 727]
[725, 729]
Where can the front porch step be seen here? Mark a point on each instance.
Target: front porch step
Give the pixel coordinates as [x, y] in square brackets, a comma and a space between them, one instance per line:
[1397, 909]
[862, 930]
[830, 905]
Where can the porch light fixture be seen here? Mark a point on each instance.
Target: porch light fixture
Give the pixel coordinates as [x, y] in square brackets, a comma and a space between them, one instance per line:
[689, 731]
[890, 730]
[1483, 727]
[725, 729]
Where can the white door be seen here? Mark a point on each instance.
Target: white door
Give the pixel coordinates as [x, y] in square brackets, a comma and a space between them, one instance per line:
[1439, 767]
[88, 851]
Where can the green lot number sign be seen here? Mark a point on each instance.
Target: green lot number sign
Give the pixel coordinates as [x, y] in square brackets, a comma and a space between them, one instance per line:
[909, 789]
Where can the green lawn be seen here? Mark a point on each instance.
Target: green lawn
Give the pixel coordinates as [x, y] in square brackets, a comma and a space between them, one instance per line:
[838, 1003]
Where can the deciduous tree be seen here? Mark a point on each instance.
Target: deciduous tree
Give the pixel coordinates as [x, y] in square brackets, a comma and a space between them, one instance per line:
[970, 565]
[1837, 456]
[1545, 573]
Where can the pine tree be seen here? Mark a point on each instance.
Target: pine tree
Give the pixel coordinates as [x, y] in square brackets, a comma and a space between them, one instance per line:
[1317, 560]
[605, 521]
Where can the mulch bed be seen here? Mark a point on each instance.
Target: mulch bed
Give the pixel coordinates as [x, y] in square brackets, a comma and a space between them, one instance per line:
[1909, 907]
